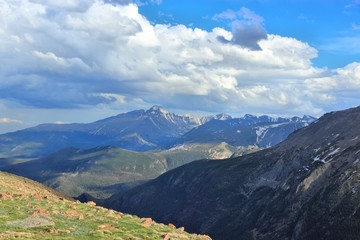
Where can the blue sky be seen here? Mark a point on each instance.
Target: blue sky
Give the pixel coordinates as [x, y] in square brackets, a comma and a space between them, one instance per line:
[331, 26]
[80, 61]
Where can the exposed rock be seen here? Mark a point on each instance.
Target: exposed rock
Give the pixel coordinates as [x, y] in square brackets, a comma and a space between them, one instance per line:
[91, 203]
[106, 227]
[5, 196]
[172, 226]
[307, 187]
[147, 221]
[166, 237]
[72, 213]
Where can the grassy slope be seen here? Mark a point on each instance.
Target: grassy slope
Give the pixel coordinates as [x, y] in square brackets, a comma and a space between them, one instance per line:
[106, 168]
[25, 203]
[101, 171]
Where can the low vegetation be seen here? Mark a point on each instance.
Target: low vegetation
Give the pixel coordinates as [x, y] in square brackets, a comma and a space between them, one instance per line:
[103, 171]
[30, 210]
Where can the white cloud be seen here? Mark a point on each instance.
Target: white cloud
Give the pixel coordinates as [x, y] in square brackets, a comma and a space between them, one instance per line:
[353, 4]
[64, 4]
[61, 122]
[137, 2]
[340, 87]
[92, 53]
[227, 14]
[9, 120]
[113, 98]
[57, 63]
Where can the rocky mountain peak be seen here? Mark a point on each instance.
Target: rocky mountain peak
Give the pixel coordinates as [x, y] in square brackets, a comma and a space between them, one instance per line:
[156, 109]
[249, 116]
[308, 118]
[222, 116]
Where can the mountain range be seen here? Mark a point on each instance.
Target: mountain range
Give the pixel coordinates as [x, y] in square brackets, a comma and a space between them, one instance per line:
[142, 130]
[262, 131]
[136, 130]
[102, 171]
[307, 187]
[111, 155]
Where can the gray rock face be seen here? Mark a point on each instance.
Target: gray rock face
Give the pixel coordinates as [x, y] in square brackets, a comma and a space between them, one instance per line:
[307, 187]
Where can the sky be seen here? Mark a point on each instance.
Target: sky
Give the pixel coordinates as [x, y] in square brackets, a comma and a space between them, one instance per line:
[80, 61]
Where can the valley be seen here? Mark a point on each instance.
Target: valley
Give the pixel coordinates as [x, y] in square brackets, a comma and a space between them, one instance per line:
[76, 160]
[179, 120]
[103, 171]
[307, 187]
[290, 190]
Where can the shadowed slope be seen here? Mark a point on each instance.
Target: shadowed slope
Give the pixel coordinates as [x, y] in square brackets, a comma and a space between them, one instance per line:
[305, 188]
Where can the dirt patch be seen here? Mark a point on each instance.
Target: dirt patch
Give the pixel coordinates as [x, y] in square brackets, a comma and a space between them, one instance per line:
[32, 221]
[11, 235]
[107, 227]
[6, 196]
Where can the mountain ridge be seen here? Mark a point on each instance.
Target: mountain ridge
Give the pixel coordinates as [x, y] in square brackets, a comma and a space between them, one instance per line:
[136, 130]
[262, 131]
[143, 130]
[102, 171]
[306, 187]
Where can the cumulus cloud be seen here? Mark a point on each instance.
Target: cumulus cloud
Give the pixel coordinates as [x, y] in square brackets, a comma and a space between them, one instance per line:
[247, 28]
[340, 87]
[137, 2]
[94, 53]
[64, 4]
[342, 80]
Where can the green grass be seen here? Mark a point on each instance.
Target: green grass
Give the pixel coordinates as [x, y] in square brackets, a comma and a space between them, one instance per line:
[100, 171]
[23, 199]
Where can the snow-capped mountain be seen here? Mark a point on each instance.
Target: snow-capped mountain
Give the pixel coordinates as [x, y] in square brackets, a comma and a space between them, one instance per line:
[143, 130]
[262, 131]
[221, 116]
[136, 130]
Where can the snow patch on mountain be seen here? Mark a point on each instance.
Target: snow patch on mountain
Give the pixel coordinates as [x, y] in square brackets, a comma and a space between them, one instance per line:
[262, 131]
